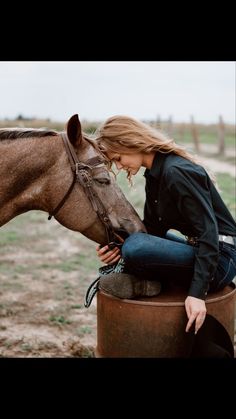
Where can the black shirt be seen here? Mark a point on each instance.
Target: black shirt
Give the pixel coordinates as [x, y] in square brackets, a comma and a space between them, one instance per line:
[180, 195]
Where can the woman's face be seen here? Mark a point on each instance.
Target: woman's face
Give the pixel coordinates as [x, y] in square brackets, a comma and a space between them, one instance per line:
[128, 162]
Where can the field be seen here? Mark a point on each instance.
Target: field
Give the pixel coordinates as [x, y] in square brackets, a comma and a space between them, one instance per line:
[45, 270]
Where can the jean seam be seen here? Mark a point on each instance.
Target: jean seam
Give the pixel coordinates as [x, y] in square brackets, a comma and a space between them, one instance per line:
[223, 279]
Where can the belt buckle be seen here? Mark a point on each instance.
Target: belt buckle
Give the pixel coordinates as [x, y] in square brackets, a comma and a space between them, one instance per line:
[229, 240]
[226, 239]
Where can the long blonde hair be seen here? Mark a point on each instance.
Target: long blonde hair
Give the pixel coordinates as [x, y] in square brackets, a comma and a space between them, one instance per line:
[122, 134]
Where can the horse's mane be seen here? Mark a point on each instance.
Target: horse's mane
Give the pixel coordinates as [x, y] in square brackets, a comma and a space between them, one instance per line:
[14, 133]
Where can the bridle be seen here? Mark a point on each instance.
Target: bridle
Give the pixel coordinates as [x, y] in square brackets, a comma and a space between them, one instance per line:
[82, 173]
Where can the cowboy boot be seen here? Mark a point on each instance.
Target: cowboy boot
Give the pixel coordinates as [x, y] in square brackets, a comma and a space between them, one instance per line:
[123, 285]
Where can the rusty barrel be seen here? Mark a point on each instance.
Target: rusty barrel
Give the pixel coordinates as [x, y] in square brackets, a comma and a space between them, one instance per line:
[154, 326]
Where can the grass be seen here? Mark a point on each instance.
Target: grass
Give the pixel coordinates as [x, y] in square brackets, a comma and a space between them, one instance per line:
[206, 138]
[9, 236]
[18, 231]
[136, 193]
[70, 264]
[227, 186]
[207, 134]
[26, 347]
[76, 306]
[8, 267]
[84, 330]
[59, 320]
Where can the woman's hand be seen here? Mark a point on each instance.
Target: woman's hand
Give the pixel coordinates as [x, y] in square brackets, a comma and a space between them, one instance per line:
[108, 256]
[196, 311]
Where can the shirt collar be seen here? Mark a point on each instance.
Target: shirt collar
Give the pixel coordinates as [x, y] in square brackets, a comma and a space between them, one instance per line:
[157, 164]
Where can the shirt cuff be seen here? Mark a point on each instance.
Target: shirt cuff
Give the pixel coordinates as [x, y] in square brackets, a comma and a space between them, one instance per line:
[198, 291]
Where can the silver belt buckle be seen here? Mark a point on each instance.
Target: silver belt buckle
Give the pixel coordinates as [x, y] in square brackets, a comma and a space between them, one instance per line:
[226, 239]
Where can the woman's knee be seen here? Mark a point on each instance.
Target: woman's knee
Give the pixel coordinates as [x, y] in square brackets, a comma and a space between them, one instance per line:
[132, 246]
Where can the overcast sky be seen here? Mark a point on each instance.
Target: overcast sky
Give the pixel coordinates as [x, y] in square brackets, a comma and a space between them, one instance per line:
[99, 89]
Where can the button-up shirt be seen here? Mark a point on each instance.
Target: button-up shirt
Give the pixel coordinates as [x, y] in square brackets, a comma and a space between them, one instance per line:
[180, 195]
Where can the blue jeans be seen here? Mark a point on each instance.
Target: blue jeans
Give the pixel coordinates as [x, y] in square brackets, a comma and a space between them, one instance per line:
[172, 259]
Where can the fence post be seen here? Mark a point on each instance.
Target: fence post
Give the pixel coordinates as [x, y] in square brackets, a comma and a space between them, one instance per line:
[195, 135]
[221, 136]
[182, 131]
[170, 127]
[158, 122]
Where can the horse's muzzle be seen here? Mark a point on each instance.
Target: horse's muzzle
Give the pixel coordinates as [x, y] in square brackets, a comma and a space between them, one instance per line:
[130, 227]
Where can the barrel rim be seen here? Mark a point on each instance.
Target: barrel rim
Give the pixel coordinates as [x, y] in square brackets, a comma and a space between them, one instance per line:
[166, 304]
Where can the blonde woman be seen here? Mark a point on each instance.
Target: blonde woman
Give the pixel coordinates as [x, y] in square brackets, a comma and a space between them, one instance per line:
[180, 195]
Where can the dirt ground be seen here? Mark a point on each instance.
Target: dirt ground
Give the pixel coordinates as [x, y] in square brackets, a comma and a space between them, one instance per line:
[42, 290]
[45, 271]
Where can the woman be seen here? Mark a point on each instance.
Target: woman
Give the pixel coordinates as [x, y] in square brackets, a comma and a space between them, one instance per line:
[180, 195]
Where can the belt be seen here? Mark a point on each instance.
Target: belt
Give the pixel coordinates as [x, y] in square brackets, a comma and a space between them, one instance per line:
[226, 239]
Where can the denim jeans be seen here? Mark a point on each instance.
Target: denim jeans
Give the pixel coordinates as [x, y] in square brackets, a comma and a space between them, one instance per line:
[172, 258]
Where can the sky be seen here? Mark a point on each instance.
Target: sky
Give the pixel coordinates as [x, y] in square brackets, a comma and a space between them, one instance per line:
[97, 90]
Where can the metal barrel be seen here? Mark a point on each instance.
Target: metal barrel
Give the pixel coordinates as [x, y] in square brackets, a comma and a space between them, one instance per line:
[154, 327]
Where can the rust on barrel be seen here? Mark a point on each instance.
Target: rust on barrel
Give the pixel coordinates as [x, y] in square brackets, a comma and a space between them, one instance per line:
[154, 326]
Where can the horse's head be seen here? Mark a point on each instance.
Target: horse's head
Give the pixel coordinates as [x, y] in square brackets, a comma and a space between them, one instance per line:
[96, 205]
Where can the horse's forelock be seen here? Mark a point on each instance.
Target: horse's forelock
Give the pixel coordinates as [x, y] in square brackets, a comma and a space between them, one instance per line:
[92, 141]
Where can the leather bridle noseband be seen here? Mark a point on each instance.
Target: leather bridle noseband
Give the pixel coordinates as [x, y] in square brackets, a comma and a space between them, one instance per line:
[83, 175]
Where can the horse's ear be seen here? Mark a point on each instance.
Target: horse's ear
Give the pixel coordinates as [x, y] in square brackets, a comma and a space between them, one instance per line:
[74, 130]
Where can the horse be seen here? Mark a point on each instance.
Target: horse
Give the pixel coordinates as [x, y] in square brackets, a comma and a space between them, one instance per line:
[65, 175]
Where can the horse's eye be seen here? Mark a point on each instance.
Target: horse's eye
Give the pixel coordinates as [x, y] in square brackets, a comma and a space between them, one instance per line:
[103, 180]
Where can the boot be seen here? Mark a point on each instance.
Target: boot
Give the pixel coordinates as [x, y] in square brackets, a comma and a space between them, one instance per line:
[124, 285]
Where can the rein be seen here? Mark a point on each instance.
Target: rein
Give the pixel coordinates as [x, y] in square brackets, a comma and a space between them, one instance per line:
[82, 173]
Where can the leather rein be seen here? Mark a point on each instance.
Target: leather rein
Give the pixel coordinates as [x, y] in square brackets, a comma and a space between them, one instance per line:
[82, 173]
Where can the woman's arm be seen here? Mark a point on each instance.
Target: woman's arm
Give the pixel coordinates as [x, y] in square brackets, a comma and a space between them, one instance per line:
[193, 199]
[190, 191]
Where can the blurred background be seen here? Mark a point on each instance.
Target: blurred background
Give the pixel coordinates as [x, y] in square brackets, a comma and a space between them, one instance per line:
[45, 269]
[97, 90]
